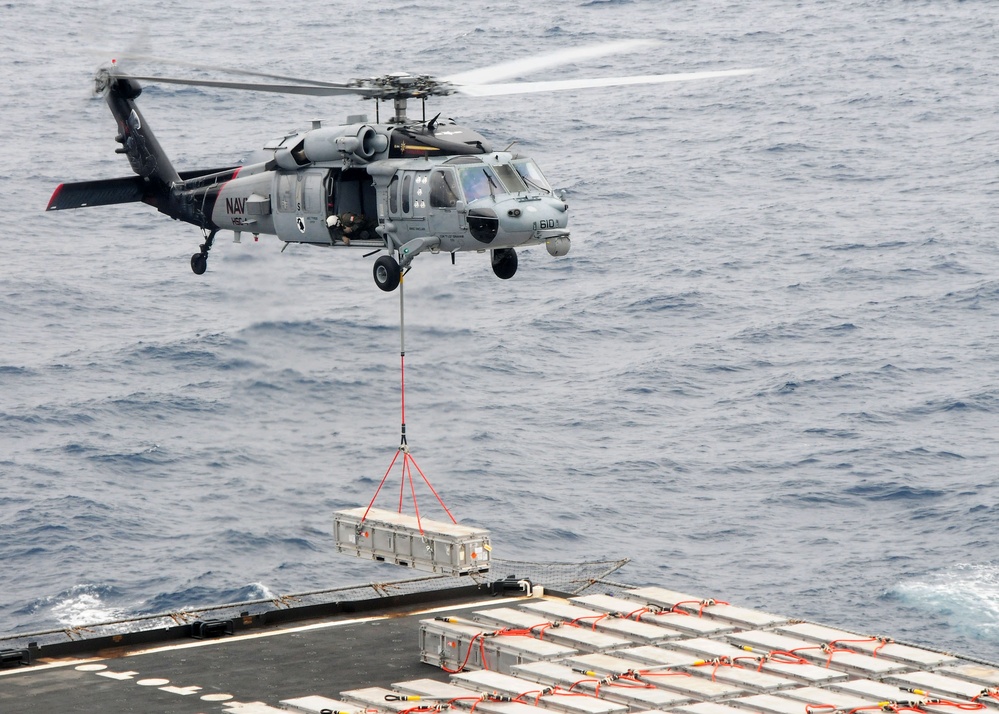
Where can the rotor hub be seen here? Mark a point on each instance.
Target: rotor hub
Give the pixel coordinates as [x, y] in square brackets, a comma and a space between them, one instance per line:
[402, 86]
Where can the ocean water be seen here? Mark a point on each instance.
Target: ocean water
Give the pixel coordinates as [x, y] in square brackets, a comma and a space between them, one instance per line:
[767, 371]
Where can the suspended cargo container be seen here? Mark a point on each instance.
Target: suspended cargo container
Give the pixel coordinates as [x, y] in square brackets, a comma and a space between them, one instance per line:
[391, 537]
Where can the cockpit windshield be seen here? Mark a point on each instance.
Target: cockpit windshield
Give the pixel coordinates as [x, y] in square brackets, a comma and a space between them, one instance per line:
[478, 182]
[532, 175]
[510, 178]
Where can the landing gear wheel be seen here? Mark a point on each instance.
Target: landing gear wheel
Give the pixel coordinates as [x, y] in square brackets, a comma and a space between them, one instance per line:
[387, 273]
[199, 263]
[504, 262]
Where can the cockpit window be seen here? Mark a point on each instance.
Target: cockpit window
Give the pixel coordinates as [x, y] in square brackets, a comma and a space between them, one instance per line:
[443, 190]
[393, 191]
[406, 187]
[478, 182]
[532, 175]
[510, 178]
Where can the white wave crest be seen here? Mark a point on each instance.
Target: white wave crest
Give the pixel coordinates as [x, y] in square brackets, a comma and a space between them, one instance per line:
[81, 606]
[265, 592]
[966, 594]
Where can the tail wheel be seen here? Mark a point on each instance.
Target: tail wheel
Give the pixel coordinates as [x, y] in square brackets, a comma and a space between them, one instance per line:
[504, 262]
[199, 263]
[386, 273]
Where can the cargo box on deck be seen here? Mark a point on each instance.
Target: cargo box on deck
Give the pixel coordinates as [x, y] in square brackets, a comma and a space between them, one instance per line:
[457, 646]
[392, 537]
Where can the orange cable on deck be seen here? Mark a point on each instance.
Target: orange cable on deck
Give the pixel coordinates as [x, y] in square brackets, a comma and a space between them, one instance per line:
[701, 603]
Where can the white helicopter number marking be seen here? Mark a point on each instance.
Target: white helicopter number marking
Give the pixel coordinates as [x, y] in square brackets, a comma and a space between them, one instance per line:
[546, 223]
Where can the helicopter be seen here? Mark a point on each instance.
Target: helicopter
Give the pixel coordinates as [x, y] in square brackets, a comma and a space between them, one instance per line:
[400, 187]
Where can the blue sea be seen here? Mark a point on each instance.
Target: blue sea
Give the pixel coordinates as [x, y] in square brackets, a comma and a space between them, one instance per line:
[767, 372]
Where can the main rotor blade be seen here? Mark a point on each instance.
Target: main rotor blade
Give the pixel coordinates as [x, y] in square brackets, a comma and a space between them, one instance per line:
[529, 65]
[226, 70]
[327, 90]
[492, 90]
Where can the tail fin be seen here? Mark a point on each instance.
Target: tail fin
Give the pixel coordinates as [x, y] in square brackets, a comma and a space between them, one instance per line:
[137, 140]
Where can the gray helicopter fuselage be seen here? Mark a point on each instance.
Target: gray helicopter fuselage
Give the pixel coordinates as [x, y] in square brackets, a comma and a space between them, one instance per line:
[403, 187]
[400, 186]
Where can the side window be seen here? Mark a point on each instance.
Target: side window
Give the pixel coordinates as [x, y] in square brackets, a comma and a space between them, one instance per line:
[393, 191]
[442, 189]
[407, 184]
[286, 193]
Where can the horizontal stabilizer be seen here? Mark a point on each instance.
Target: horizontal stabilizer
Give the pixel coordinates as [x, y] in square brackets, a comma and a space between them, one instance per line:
[103, 192]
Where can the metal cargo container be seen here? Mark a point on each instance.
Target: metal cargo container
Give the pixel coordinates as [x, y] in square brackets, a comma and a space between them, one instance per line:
[462, 646]
[392, 537]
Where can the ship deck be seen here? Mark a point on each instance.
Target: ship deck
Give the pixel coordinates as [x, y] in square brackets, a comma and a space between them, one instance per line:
[642, 649]
[244, 672]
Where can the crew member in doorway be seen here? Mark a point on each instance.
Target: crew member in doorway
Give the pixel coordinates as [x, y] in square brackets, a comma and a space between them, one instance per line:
[349, 224]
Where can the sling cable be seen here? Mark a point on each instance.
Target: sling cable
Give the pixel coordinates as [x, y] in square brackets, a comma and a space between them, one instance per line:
[408, 462]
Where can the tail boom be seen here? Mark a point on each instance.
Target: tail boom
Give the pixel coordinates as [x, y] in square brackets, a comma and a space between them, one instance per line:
[137, 140]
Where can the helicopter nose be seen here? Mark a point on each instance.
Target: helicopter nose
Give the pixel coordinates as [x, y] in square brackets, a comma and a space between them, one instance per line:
[522, 220]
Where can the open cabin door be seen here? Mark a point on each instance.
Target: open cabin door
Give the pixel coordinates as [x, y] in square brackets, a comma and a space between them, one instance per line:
[354, 200]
